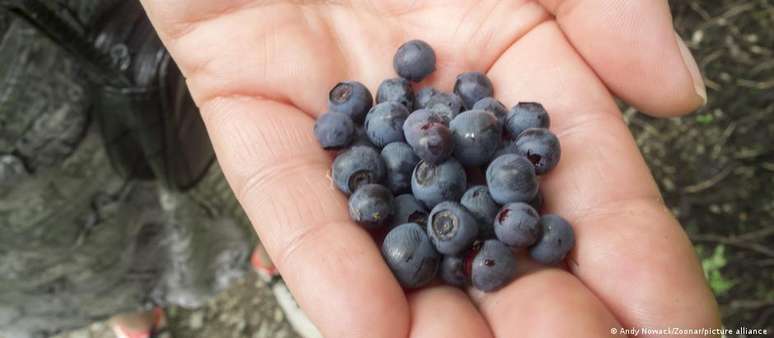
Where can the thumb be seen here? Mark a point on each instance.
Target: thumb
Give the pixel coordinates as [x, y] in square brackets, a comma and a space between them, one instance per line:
[633, 48]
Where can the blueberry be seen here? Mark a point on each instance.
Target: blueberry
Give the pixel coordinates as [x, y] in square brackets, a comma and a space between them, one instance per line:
[451, 228]
[408, 209]
[371, 206]
[476, 135]
[435, 183]
[384, 123]
[400, 161]
[511, 178]
[396, 90]
[414, 60]
[361, 138]
[526, 115]
[351, 98]
[445, 104]
[539, 146]
[516, 225]
[472, 87]
[429, 136]
[482, 207]
[557, 240]
[410, 255]
[357, 166]
[334, 130]
[493, 267]
[423, 96]
[452, 271]
[494, 106]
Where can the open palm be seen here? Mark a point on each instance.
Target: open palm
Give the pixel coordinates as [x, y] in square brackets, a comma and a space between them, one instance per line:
[260, 71]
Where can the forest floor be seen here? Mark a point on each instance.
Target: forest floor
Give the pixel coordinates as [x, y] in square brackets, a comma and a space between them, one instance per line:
[715, 169]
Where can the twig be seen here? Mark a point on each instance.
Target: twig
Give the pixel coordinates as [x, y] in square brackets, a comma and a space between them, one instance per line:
[751, 303]
[755, 235]
[709, 183]
[761, 249]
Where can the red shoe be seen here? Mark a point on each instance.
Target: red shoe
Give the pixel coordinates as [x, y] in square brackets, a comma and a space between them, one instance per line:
[157, 326]
[262, 264]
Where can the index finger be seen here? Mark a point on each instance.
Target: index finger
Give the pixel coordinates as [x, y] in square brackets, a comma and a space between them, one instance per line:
[278, 172]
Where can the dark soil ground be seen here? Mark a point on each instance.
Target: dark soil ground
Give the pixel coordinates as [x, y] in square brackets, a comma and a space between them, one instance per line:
[715, 169]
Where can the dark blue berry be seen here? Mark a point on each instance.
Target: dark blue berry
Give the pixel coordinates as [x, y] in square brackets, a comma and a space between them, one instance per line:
[408, 209]
[361, 138]
[334, 130]
[429, 136]
[476, 135]
[482, 207]
[493, 106]
[351, 98]
[384, 123]
[434, 183]
[414, 60]
[410, 255]
[371, 206]
[396, 90]
[526, 115]
[452, 271]
[539, 146]
[446, 105]
[511, 178]
[423, 96]
[451, 228]
[472, 87]
[557, 240]
[493, 267]
[516, 225]
[357, 166]
[400, 161]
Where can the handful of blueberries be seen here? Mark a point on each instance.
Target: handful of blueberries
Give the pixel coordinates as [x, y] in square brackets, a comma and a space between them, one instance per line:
[410, 162]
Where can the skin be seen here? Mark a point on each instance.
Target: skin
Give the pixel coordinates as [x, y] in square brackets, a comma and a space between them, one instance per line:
[633, 266]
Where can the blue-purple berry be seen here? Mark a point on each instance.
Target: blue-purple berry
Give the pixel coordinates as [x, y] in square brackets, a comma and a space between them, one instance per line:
[472, 87]
[414, 60]
[357, 166]
[400, 161]
[493, 267]
[384, 123]
[526, 115]
[371, 206]
[541, 147]
[451, 228]
[410, 255]
[334, 130]
[511, 178]
[434, 183]
[351, 98]
[516, 225]
[396, 90]
[556, 241]
[476, 135]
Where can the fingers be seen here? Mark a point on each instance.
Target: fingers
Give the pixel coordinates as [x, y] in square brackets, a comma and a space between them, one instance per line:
[173, 18]
[633, 48]
[630, 252]
[444, 311]
[544, 302]
[278, 172]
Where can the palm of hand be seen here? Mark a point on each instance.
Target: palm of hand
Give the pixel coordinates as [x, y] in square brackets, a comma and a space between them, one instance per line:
[260, 72]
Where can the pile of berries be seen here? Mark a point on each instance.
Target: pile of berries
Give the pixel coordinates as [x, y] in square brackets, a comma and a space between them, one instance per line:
[410, 164]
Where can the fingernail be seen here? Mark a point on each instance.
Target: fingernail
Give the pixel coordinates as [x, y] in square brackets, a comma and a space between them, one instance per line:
[693, 69]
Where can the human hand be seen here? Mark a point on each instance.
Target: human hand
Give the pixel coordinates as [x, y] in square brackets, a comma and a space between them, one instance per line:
[260, 72]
